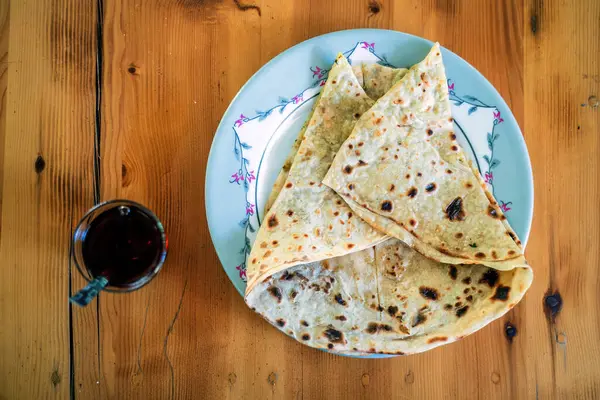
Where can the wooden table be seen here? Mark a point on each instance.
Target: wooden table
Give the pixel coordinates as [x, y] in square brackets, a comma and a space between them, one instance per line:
[107, 99]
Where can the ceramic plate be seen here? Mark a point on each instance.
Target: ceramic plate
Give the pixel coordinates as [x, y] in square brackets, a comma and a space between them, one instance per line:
[257, 131]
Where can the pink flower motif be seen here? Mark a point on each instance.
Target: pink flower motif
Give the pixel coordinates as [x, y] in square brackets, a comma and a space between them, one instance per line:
[489, 177]
[240, 121]
[249, 208]
[250, 176]
[451, 86]
[497, 117]
[505, 206]
[322, 83]
[369, 46]
[317, 71]
[237, 177]
[242, 271]
[297, 98]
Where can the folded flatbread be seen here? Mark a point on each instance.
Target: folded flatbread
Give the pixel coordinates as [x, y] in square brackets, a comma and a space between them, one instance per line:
[385, 299]
[412, 180]
[308, 221]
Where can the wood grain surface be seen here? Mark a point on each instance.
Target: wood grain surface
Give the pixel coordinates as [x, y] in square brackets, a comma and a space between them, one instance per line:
[120, 99]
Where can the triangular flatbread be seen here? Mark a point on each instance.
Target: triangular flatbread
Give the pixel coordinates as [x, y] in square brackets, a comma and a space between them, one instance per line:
[403, 171]
[308, 221]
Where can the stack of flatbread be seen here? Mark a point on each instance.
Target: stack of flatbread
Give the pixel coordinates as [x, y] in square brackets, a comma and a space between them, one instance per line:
[379, 236]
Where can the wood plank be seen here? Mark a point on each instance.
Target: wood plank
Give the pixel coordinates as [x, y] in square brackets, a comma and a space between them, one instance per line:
[4, 36]
[562, 71]
[47, 185]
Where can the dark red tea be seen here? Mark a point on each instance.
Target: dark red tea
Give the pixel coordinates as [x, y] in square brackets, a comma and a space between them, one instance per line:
[123, 244]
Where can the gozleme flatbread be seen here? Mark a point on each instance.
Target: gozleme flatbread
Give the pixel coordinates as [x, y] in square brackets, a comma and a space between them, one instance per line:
[412, 180]
[386, 299]
[308, 221]
[379, 80]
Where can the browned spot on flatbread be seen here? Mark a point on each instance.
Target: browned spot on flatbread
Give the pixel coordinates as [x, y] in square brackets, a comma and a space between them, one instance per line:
[334, 336]
[467, 280]
[286, 276]
[392, 187]
[340, 300]
[275, 292]
[386, 205]
[374, 327]
[419, 319]
[348, 169]
[454, 210]
[480, 255]
[437, 339]
[361, 163]
[492, 212]
[453, 271]
[280, 322]
[430, 187]
[349, 245]
[412, 192]
[289, 185]
[429, 293]
[306, 336]
[501, 293]
[272, 222]
[490, 277]
[462, 311]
